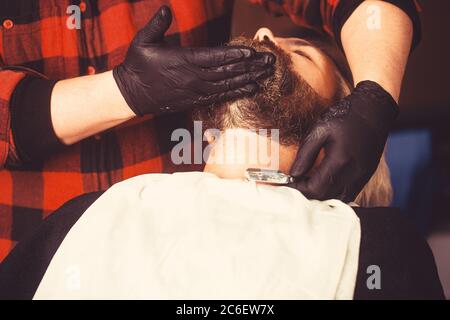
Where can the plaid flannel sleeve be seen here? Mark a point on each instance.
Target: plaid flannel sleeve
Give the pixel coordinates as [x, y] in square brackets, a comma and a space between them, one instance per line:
[24, 115]
[8, 82]
[331, 15]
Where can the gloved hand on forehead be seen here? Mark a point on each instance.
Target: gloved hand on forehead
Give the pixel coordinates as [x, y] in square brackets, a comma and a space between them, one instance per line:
[353, 134]
[158, 78]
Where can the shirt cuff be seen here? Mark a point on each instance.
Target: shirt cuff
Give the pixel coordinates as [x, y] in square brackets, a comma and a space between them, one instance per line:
[31, 122]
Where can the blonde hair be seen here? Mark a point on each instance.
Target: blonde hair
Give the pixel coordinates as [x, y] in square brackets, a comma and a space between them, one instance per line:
[378, 191]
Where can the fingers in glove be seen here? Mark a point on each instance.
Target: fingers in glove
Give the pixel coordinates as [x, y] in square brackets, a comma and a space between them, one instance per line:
[322, 184]
[221, 56]
[259, 63]
[155, 29]
[328, 180]
[238, 81]
[246, 90]
[308, 152]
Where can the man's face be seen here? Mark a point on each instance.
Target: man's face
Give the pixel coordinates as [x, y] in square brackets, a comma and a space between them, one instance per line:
[313, 65]
[317, 70]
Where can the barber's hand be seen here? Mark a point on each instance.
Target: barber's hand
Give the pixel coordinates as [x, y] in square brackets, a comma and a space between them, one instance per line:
[157, 78]
[353, 134]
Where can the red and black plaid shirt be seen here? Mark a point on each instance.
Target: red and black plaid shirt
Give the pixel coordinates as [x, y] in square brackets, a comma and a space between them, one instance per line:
[35, 39]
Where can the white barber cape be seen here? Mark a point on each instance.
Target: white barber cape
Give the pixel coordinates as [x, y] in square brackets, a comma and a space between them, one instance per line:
[196, 236]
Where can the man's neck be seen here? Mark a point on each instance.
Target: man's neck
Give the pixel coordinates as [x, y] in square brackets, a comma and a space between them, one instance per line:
[236, 150]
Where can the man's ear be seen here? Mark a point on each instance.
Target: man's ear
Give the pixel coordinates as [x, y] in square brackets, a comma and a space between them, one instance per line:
[211, 135]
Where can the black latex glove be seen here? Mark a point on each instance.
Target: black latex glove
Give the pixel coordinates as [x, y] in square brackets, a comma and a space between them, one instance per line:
[353, 134]
[157, 78]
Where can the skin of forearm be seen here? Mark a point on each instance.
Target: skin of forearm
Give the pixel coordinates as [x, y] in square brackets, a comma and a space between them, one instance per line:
[84, 106]
[378, 51]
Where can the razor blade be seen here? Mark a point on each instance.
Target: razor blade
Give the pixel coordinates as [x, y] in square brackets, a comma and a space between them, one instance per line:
[268, 176]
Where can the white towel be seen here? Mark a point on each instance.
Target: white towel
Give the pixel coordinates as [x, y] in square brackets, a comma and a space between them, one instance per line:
[195, 236]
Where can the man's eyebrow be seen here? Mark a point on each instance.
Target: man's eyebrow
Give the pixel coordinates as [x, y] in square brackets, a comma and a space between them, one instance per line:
[303, 54]
[301, 42]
